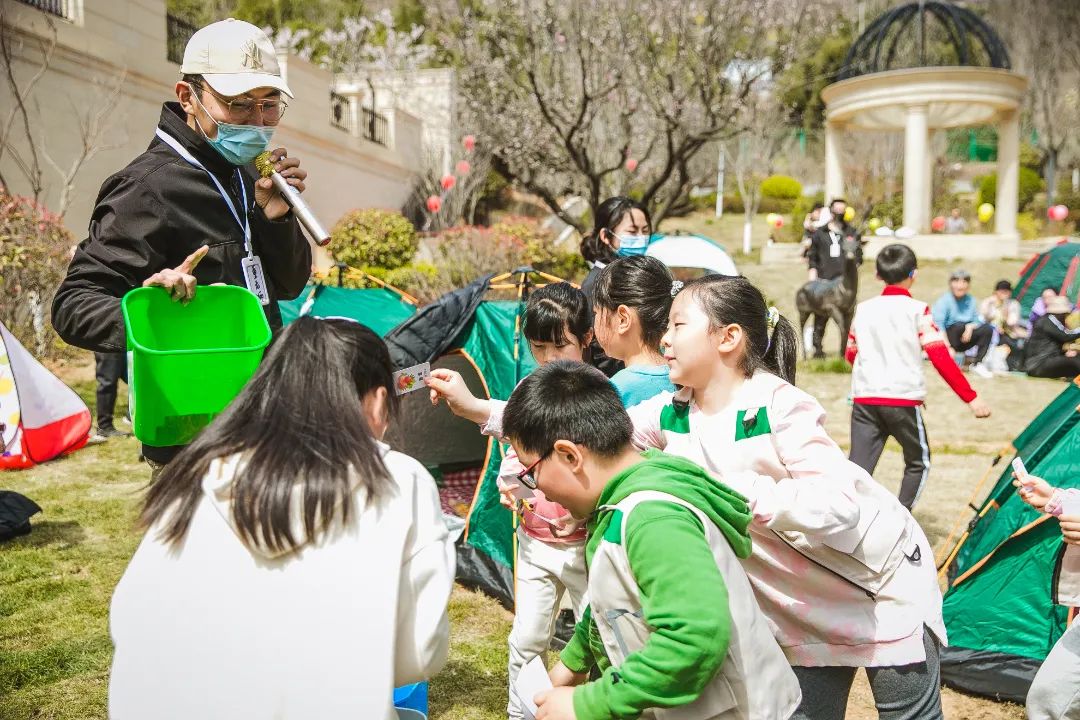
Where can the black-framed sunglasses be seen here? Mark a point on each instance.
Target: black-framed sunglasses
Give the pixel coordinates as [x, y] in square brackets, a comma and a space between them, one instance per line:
[527, 477]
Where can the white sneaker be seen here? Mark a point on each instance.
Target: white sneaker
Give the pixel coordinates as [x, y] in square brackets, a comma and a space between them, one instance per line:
[982, 371]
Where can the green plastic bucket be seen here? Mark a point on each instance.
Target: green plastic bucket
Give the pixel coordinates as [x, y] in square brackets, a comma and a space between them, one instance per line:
[186, 363]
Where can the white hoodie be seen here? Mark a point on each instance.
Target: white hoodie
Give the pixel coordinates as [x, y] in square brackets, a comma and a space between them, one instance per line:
[214, 629]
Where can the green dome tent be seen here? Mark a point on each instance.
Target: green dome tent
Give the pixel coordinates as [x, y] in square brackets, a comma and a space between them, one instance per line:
[1058, 268]
[479, 337]
[1000, 607]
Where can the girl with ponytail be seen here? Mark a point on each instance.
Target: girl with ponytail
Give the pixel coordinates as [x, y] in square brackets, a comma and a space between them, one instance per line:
[840, 568]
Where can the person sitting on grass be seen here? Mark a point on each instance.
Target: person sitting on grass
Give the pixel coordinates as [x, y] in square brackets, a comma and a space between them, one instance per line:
[294, 566]
[661, 634]
[1046, 355]
[957, 314]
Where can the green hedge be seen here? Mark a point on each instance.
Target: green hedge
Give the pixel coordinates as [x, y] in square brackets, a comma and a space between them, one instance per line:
[379, 238]
[1030, 185]
[781, 187]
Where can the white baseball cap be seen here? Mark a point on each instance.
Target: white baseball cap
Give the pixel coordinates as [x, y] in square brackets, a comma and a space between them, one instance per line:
[234, 57]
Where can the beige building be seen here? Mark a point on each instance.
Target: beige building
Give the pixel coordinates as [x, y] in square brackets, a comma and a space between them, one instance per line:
[115, 62]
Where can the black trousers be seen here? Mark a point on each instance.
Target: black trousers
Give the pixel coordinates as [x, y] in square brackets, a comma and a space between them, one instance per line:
[872, 425]
[1060, 367]
[981, 337]
[110, 369]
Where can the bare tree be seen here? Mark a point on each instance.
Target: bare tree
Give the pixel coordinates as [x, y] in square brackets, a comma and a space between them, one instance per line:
[753, 153]
[457, 203]
[16, 122]
[594, 98]
[94, 126]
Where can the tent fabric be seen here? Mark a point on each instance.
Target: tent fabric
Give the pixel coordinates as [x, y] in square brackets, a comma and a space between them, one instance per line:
[378, 308]
[999, 608]
[42, 417]
[1058, 267]
[432, 331]
[692, 251]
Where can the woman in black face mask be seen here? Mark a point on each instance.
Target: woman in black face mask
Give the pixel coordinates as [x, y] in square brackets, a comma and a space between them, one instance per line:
[622, 229]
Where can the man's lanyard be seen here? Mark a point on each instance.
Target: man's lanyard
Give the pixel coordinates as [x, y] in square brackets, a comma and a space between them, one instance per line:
[244, 225]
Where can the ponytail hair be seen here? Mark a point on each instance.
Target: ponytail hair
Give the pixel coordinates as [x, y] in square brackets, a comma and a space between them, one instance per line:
[772, 343]
[608, 216]
[644, 285]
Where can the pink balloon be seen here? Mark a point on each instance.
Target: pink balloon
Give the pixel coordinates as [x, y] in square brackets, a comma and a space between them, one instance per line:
[631, 164]
[778, 223]
[937, 224]
[469, 141]
[463, 167]
[1058, 212]
[447, 181]
[434, 204]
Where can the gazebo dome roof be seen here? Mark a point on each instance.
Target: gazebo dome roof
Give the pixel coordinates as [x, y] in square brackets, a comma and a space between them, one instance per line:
[925, 34]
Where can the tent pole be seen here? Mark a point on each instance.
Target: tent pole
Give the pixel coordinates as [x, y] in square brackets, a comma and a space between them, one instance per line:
[944, 551]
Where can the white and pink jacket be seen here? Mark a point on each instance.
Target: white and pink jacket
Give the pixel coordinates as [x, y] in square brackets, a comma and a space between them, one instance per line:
[841, 570]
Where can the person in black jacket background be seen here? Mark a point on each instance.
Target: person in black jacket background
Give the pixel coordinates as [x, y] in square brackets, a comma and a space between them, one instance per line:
[622, 228]
[1044, 355]
[175, 216]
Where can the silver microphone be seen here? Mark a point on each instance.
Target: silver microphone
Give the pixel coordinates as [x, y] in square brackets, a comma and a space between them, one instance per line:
[265, 166]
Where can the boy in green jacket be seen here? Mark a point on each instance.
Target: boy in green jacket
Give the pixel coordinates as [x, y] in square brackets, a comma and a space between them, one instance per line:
[672, 620]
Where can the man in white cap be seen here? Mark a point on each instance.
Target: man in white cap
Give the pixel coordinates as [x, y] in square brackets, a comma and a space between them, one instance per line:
[191, 209]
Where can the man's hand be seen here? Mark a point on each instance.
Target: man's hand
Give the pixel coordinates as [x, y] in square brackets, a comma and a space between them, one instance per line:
[179, 281]
[267, 196]
[1035, 491]
[555, 704]
[1070, 528]
[979, 409]
[450, 386]
[968, 330]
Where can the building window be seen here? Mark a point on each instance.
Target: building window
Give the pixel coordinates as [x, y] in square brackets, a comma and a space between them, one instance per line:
[67, 9]
[177, 34]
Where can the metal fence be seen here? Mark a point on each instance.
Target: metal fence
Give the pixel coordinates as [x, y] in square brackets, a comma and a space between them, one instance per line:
[177, 34]
[341, 115]
[59, 8]
[374, 126]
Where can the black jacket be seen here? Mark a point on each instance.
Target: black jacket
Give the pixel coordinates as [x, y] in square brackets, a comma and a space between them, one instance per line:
[153, 214]
[819, 256]
[1046, 340]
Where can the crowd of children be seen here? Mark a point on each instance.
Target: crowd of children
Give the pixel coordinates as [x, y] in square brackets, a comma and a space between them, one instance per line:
[722, 556]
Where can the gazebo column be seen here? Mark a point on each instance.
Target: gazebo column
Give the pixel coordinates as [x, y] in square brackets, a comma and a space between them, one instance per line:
[1008, 174]
[928, 188]
[834, 179]
[915, 168]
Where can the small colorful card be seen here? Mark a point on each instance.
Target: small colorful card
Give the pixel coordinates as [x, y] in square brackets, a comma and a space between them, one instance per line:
[413, 378]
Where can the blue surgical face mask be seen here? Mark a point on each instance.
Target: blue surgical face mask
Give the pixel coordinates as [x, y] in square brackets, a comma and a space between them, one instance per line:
[631, 245]
[238, 144]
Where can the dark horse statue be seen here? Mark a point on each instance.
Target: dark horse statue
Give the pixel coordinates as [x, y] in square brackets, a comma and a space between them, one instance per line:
[832, 299]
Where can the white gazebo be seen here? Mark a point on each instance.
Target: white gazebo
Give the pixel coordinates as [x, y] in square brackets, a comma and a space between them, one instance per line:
[922, 67]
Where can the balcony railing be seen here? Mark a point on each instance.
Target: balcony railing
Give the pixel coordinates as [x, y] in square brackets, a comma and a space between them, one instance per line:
[374, 127]
[341, 115]
[60, 8]
[177, 34]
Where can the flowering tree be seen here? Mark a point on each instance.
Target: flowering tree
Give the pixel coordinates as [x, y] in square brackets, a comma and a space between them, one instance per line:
[594, 98]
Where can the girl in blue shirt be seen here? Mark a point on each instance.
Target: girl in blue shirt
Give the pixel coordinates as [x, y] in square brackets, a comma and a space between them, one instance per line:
[631, 302]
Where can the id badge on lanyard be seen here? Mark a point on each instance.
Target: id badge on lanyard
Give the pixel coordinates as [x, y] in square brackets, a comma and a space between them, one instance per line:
[834, 248]
[251, 265]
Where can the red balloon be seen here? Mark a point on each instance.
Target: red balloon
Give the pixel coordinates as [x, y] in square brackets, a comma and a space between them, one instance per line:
[447, 181]
[937, 224]
[469, 141]
[778, 223]
[631, 164]
[463, 167]
[434, 204]
[1057, 212]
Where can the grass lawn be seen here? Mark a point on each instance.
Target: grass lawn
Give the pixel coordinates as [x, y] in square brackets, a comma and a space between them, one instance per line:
[55, 584]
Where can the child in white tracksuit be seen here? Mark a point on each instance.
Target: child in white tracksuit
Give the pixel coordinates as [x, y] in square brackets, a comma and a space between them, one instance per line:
[1055, 692]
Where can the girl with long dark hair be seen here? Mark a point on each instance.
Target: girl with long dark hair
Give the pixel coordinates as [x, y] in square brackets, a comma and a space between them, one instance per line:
[293, 565]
